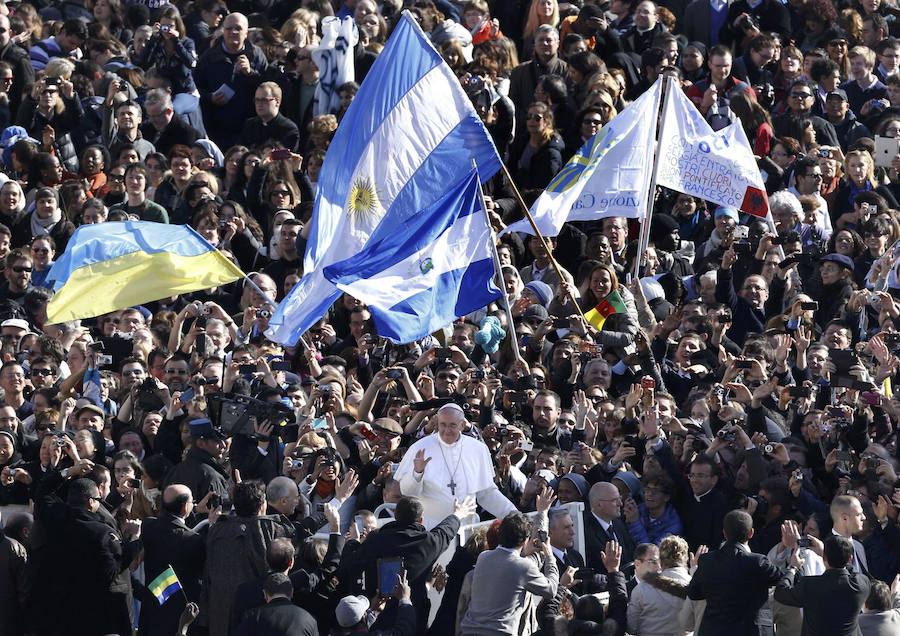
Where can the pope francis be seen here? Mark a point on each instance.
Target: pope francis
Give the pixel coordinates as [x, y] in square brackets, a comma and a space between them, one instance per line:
[448, 466]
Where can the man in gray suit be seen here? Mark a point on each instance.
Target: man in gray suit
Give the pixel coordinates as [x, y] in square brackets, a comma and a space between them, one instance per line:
[881, 615]
[503, 577]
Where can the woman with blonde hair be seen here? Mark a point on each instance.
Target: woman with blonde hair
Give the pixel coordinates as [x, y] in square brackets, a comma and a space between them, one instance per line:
[659, 598]
[859, 176]
[540, 12]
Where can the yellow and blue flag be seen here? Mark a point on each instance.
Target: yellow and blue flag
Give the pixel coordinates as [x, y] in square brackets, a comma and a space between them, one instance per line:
[164, 585]
[110, 266]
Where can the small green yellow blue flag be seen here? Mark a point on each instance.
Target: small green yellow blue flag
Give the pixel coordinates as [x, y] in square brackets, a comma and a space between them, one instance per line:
[110, 266]
[164, 585]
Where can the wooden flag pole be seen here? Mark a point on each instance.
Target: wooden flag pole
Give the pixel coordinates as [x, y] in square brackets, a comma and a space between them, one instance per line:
[510, 322]
[537, 233]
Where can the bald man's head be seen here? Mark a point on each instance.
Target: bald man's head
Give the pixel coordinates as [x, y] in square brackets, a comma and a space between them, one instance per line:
[177, 500]
[605, 501]
[5, 30]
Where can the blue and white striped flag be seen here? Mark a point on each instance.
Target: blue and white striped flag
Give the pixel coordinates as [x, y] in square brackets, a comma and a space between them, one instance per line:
[410, 131]
[608, 176]
[429, 271]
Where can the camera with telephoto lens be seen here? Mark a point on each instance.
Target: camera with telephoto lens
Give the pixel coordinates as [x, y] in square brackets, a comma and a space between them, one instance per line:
[768, 449]
[264, 313]
[238, 414]
[699, 444]
[148, 396]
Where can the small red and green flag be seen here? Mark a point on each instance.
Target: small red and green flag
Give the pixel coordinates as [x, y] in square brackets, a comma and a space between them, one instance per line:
[612, 304]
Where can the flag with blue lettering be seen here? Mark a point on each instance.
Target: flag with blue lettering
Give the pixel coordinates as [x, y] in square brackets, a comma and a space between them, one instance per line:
[410, 131]
[608, 176]
[427, 272]
[718, 166]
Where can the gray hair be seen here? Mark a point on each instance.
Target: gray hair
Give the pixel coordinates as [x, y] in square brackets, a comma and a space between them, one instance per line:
[784, 199]
[279, 488]
[158, 96]
[546, 29]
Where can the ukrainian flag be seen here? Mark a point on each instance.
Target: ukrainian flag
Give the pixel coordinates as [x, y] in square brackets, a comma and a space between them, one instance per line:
[164, 585]
[110, 266]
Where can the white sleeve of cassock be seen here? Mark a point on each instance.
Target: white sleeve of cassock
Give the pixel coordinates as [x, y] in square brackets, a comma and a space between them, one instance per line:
[492, 500]
[410, 486]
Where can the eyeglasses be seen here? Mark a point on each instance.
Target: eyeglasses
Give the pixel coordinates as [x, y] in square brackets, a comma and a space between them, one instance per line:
[535, 117]
[41, 372]
[177, 371]
[7, 80]
[18, 269]
[801, 95]
[97, 499]
[119, 178]
[263, 100]
[281, 193]
[815, 175]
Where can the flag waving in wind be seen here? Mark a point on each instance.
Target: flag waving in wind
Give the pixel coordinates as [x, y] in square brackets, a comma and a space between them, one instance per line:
[611, 304]
[606, 177]
[426, 273]
[716, 166]
[409, 132]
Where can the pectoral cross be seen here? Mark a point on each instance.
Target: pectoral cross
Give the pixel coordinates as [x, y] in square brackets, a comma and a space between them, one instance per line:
[452, 486]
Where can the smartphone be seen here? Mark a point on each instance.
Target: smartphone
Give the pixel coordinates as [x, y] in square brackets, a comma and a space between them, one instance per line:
[741, 248]
[214, 501]
[368, 434]
[280, 154]
[104, 361]
[740, 232]
[526, 445]
[360, 524]
[743, 364]
[871, 398]
[388, 575]
[394, 374]
[442, 353]
[542, 535]
[280, 365]
[134, 483]
[799, 391]
[803, 542]
[247, 369]
[810, 306]
[843, 456]
[319, 424]
[648, 383]
[561, 323]
[97, 346]
[187, 395]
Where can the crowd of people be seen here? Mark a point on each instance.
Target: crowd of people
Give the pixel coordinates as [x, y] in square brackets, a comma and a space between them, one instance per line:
[730, 431]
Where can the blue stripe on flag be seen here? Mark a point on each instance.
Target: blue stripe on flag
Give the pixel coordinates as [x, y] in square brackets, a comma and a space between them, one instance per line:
[433, 309]
[400, 241]
[168, 592]
[396, 70]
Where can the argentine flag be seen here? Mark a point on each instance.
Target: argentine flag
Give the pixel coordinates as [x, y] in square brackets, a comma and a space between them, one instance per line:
[608, 176]
[425, 274]
[410, 132]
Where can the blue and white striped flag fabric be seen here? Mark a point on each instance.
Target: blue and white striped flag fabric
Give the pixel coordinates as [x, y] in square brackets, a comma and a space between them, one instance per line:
[427, 272]
[410, 131]
[608, 176]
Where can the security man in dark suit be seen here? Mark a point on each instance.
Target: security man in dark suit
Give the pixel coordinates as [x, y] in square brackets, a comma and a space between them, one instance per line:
[603, 523]
[279, 616]
[832, 601]
[734, 581]
[85, 544]
[169, 542]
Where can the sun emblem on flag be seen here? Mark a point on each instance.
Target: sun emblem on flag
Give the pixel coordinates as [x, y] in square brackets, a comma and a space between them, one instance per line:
[363, 200]
[426, 266]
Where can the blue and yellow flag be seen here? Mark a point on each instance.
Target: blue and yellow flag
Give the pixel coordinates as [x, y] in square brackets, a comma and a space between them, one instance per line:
[164, 585]
[110, 266]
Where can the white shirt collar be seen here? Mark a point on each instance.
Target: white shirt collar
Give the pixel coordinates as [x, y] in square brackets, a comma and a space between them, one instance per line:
[718, 5]
[559, 554]
[603, 523]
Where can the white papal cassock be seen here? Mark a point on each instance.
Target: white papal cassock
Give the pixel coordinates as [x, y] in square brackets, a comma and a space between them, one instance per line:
[456, 471]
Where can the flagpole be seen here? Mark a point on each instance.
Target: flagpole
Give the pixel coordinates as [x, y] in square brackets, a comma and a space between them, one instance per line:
[644, 235]
[537, 233]
[246, 277]
[510, 322]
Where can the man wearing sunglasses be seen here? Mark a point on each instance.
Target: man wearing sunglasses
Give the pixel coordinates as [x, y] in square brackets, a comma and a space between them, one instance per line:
[18, 276]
